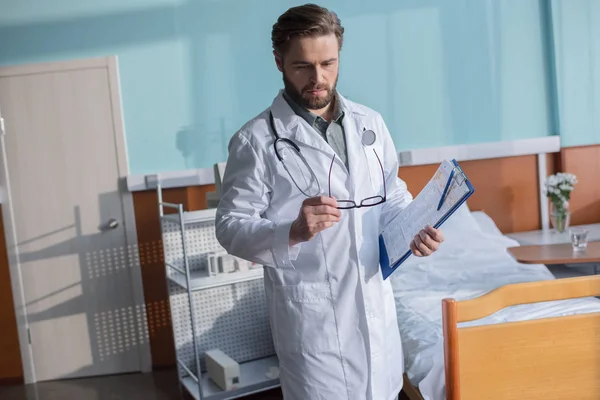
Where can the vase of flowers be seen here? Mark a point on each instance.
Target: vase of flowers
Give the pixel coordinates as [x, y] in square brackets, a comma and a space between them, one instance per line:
[558, 188]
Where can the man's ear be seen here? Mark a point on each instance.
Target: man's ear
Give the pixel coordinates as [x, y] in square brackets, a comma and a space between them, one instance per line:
[278, 61]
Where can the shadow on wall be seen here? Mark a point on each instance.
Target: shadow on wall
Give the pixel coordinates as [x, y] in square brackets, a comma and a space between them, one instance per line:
[193, 72]
[191, 143]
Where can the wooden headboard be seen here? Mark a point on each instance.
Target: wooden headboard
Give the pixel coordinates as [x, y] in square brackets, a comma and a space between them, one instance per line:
[505, 188]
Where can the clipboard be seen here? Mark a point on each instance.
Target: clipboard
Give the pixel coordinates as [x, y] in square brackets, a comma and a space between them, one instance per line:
[457, 177]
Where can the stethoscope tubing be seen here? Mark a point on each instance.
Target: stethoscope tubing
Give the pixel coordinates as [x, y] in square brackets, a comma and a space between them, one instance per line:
[280, 139]
[368, 139]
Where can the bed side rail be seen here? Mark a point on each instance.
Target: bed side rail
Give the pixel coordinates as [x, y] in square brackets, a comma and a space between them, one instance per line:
[549, 358]
[526, 293]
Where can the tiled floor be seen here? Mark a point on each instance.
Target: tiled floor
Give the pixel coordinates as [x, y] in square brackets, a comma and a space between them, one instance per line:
[159, 385]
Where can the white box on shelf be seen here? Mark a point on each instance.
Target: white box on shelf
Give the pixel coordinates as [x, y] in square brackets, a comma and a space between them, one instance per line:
[213, 267]
[222, 369]
[226, 264]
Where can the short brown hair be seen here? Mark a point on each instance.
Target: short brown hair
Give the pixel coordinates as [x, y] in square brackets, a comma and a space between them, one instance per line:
[307, 20]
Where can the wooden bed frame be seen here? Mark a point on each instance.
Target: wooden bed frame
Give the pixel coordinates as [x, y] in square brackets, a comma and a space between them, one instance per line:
[547, 358]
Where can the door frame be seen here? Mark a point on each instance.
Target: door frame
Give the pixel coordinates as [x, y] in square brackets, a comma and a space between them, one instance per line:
[110, 63]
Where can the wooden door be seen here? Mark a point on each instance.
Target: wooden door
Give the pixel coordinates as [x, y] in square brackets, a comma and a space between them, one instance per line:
[67, 223]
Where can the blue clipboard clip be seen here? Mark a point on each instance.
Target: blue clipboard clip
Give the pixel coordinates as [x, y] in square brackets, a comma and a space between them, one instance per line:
[456, 175]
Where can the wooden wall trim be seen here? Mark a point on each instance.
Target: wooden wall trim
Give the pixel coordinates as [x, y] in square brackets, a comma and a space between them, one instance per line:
[505, 188]
[11, 367]
[584, 162]
[153, 270]
[426, 156]
[12, 381]
[480, 151]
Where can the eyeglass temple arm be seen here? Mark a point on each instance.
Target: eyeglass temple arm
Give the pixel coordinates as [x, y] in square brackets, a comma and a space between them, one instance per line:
[329, 178]
[382, 174]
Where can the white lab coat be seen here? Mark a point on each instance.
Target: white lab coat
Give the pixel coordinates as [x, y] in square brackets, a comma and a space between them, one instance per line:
[333, 317]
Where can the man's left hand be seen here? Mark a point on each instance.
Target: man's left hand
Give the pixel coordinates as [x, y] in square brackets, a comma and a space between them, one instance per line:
[426, 242]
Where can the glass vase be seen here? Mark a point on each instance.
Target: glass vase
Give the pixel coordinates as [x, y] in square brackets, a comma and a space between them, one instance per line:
[560, 216]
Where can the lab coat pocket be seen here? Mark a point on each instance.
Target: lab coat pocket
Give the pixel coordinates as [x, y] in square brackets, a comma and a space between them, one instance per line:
[305, 319]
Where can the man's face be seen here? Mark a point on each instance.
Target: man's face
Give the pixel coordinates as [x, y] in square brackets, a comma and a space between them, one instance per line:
[310, 70]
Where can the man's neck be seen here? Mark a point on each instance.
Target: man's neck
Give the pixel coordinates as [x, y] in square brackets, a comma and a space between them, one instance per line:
[328, 112]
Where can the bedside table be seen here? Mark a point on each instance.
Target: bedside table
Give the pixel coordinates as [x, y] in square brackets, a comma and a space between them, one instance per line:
[553, 248]
[550, 236]
[551, 254]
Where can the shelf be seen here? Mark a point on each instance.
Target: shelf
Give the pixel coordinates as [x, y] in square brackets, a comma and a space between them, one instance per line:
[253, 379]
[190, 217]
[200, 281]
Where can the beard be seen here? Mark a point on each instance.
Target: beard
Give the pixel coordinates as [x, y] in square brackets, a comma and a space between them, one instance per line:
[307, 100]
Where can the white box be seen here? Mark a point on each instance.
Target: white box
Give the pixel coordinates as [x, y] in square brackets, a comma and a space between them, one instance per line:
[226, 264]
[212, 263]
[222, 369]
[212, 267]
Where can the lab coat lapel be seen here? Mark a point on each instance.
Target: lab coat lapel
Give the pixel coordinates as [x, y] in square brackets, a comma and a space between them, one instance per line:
[290, 125]
[357, 163]
[294, 127]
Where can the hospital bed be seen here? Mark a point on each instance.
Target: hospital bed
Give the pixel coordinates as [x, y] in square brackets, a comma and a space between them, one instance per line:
[476, 324]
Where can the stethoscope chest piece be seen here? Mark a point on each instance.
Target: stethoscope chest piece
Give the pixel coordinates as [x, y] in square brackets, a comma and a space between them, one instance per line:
[368, 137]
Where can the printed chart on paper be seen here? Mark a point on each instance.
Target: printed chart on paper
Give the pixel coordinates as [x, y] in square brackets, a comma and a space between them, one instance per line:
[422, 211]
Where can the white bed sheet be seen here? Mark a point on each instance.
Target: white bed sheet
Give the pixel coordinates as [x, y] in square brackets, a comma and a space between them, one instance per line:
[472, 261]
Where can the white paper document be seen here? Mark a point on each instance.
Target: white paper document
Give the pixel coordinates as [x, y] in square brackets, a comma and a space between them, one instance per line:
[422, 211]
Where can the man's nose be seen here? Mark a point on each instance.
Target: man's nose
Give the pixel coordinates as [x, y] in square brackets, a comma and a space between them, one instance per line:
[317, 75]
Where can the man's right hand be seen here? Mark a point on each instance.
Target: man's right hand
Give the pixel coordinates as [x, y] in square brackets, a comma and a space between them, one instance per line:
[316, 215]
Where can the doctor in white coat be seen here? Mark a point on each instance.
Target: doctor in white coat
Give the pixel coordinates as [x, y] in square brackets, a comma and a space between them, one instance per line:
[309, 185]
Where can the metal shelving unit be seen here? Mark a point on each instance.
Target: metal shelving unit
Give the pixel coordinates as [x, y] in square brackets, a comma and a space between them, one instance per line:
[226, 311]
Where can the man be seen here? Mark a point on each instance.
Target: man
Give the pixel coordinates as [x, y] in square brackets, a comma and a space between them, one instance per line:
[309, 185]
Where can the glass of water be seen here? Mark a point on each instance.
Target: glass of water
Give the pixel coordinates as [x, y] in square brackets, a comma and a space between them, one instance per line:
[579, 238]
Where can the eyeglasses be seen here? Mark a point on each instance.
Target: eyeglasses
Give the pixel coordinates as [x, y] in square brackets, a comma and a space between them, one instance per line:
[369, 201]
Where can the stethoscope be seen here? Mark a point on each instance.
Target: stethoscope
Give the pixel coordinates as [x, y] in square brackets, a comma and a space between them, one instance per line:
[368, 138]
[280, 139]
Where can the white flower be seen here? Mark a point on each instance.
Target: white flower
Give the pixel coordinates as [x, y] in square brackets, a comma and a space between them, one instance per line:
[560, 185]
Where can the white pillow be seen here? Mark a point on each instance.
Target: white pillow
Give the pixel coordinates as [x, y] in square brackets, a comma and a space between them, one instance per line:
[462, 220]
[486, 223]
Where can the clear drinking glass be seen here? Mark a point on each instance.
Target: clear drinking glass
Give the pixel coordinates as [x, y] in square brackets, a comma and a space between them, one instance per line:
[579, 238]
